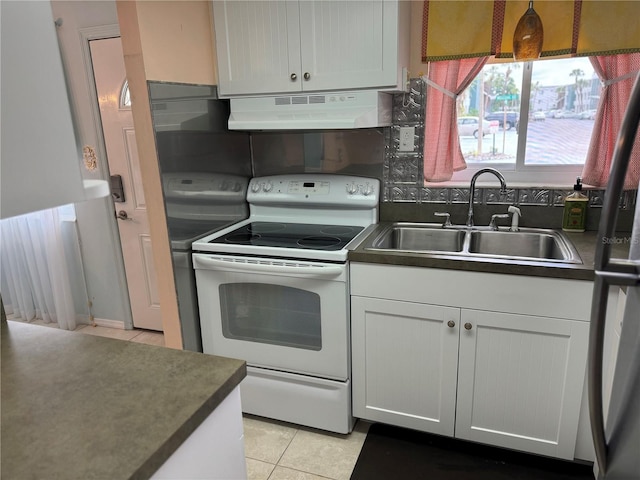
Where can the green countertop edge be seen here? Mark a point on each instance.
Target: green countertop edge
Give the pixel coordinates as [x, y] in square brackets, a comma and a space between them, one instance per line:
[198, 382]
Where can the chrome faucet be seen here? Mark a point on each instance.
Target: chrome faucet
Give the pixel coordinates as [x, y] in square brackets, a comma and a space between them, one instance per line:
[472, 189]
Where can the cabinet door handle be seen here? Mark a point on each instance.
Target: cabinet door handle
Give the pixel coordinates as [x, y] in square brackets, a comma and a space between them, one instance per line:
[451, 324]
[468, 326]
[293, 77]
[307, 75]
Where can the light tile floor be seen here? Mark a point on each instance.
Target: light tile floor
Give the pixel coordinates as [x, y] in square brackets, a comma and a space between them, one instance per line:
[274, 450]
[282, 451]
[148, 337]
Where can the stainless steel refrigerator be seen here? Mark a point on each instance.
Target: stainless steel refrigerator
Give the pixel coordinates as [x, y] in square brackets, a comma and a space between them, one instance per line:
[617, 441]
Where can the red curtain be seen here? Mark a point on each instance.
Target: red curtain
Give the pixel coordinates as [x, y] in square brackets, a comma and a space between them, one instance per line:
[618, 73]
[445, 81]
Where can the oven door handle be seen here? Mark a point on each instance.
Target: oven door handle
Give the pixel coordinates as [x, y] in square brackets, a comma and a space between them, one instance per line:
[261, 266]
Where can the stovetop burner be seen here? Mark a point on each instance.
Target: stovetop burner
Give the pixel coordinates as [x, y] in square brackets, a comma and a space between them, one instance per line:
[319, 242]
[265, 227]
[291, 235]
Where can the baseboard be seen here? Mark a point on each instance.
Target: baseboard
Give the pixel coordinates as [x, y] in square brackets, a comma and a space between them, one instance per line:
[105, 322]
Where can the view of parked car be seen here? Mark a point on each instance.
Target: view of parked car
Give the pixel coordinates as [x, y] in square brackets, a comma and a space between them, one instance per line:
[558, 113]
[468, 126]
[565, 114]
[588, 115]
[537, 116]
[512, 118]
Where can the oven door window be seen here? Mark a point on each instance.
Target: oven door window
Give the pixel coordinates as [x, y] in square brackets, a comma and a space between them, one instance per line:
[272, 314]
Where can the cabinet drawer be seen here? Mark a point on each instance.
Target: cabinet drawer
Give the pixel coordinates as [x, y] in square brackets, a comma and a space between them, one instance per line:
[545, 297]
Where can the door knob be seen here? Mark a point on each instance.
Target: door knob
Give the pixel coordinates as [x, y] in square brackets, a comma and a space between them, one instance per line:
[294, 77]
[468, 326]
[122, 215]
[307, 75]
[451, 324]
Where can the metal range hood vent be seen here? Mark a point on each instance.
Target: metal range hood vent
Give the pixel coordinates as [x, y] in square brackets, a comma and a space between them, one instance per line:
[315, 111]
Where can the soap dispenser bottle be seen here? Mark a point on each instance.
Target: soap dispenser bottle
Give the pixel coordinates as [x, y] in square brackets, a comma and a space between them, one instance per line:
[575, 209]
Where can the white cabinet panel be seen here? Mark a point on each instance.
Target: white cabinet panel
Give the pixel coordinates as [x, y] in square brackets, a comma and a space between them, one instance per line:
[214, 451]
[258, 46]
[520, 381]
[404, 363]
[304, 46]
[349, 44]
[496, 292]
[516, 379]
[40, 158]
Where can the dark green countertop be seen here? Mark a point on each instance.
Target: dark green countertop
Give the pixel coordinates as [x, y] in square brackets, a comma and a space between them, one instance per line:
[585, 244]
[77, 406]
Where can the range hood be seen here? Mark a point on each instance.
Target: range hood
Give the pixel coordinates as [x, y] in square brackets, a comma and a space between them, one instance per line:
[313, 111]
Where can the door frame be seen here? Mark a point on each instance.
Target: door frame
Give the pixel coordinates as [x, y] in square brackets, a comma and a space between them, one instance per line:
[99, 33]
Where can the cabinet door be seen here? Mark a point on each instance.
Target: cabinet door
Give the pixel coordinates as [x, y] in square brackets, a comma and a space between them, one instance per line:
[40, 157]
[404, 363]
[520, 381]
[258, 46]
[349, 45]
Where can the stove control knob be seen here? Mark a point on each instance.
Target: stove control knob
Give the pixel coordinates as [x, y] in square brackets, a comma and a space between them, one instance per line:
[255, 187]
[267, 186]
[352, 188]
[367, 190]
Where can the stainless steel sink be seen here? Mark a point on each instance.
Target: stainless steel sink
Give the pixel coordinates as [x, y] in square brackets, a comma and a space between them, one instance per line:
[530, 244]
[420, 237]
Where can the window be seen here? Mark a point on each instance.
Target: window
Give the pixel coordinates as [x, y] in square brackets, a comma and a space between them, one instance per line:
[125, 96]
[540, 116]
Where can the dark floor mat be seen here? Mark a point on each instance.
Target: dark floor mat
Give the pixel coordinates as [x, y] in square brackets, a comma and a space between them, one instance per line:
[391, 453]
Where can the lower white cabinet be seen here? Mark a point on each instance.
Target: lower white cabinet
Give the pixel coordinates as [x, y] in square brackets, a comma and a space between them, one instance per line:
[405, 363]
[520, 381]
[214, 451]
[502, 378]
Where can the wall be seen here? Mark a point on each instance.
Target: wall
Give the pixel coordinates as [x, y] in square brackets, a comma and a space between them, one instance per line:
[163, 41]
[176, 39]
[97, 230]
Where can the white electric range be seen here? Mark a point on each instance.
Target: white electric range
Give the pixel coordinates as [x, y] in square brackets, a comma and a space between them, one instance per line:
[273, 290]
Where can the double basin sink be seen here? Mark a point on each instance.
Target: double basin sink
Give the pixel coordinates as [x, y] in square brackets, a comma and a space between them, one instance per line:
[526, 244]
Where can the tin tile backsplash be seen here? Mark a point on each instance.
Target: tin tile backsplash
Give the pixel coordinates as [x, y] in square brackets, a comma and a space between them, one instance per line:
[404, 180]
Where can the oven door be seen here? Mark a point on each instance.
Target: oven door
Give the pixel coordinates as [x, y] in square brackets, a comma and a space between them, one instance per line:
[280, 314]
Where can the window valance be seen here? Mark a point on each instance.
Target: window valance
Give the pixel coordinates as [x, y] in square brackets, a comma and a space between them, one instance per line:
[479, 28]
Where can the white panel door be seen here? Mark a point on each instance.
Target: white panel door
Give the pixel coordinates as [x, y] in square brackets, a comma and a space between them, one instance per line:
[520, 378]
[347, 45]
[258, 46]
[404, 365]
[122, 153]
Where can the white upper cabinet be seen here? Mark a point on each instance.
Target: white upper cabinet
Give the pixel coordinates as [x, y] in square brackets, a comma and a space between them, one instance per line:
[40, 158]
[289, 46]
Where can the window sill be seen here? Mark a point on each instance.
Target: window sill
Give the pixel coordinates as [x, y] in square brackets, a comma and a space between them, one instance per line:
[559, 178]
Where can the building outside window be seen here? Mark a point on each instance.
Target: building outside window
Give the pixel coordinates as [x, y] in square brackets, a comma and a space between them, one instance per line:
[541, 115]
